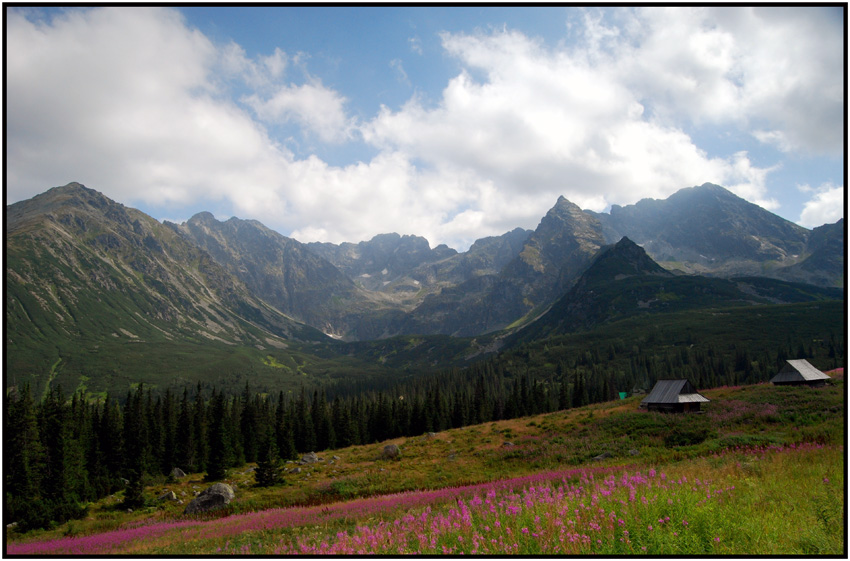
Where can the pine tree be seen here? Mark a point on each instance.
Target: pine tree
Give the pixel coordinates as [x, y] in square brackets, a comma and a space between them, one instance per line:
[343, 428]
[305, 435]
[169, 433]
[234, 435]
[184, 454]
[268, 464]
[111, 441]
[248, 425]
[283, 432]
[24, 454]
[322, 425]
[220, 457]
[136, 448]
[564, 398]
[199, 432]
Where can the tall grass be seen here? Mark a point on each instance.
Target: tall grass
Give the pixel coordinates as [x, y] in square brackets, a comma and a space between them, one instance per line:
[774, 500]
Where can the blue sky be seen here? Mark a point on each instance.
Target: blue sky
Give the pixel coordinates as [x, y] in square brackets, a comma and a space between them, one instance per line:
[455, 123]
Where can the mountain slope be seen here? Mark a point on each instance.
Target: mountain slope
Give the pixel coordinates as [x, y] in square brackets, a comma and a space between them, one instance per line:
[383, 260]
[622, 281]
[550, 259]
[707, 229]
[84, 272]
[824, 264]
[286, 274]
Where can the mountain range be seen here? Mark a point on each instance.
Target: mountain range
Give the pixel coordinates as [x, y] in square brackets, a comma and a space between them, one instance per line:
[84, 272]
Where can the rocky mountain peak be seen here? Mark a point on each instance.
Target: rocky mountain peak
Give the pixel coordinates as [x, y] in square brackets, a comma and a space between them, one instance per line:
[202, 218]
[623, 259]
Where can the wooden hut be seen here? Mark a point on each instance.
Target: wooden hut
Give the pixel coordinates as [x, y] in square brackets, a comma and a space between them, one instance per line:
[798, 373]
[675, 396]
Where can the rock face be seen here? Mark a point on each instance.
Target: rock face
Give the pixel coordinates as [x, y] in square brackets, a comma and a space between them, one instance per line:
[214, 497]
[391, 452]
[550, 260]
[292, 278]
[708, 229]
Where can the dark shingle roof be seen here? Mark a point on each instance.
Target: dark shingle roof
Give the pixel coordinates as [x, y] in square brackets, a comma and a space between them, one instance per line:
[673, 391]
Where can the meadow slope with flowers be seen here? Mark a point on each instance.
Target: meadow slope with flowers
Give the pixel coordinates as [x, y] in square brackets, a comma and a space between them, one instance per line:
[761, 472]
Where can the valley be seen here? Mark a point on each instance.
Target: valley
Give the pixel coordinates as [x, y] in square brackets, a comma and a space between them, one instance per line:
[227, 350]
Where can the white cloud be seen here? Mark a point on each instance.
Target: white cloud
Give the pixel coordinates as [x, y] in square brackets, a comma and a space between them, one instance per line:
[134, 103]
[551, 123]
[263, 72]
[397, 65]
[317, 108]
[775, 72]
[825, 207]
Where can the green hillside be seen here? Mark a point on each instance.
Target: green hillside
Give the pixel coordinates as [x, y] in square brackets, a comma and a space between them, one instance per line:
[755, 474]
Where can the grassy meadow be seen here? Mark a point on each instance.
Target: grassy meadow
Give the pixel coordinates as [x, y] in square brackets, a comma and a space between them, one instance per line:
[761, 472]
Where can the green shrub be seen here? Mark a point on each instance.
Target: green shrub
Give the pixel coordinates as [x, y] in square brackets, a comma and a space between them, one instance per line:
[685, 437]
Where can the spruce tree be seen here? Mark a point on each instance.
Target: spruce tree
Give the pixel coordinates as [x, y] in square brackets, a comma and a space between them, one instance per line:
[268, 464]
[220, 454]
[248, 425]
[184, 453]
[111, 442]
[24, 453]
[169, 433]
[199, 431]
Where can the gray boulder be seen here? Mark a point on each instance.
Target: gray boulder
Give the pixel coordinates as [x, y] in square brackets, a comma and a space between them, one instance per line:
[391, 452]
[214, 497]
[177, 473]
[310, 458]
[508, 444]
[603, 456]
[167, 496]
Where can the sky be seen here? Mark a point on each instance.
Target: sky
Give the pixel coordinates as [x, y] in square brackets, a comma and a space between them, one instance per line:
[454, 123]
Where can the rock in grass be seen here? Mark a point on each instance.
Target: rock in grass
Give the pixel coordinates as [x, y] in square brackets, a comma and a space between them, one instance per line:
[391, 452]
[603, 456]
[214, 497]
[310, 458]
[177, 473]
[167, 496]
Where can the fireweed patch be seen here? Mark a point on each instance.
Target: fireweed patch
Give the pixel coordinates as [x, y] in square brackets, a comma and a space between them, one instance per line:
[714, 505]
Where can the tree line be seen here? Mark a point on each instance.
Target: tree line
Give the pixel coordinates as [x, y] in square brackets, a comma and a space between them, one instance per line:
[63, 452]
